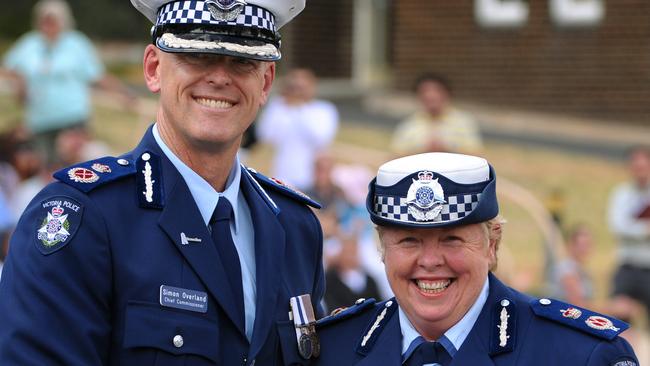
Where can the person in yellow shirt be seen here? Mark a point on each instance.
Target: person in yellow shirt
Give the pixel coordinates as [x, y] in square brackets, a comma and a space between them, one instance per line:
[438, 125]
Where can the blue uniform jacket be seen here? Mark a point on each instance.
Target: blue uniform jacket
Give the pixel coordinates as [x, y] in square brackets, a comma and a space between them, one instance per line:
[535, 333]
[82, 283]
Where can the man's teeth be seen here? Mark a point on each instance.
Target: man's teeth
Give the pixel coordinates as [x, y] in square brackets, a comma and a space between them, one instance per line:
[214, 103]
[433, 287]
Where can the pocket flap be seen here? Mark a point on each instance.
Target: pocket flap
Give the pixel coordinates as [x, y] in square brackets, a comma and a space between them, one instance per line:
[152, 326]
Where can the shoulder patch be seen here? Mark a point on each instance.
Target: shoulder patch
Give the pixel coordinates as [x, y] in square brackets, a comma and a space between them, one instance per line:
[344, 313]
[578, 318]
[89, 175]
[58, 222]
[279, 186]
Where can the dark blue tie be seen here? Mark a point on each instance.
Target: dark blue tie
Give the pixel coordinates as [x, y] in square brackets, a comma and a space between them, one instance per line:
[429, 353]
[220, 224]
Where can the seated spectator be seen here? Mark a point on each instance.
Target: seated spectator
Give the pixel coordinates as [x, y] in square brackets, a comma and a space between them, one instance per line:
[75, 145]
[22, 170]
[54, 67]
[438, 125]
[324, 190]
[346, 280]
[569, 279]
[629, 221]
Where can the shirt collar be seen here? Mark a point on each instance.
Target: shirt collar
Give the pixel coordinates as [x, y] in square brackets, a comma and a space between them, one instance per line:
[205, 196]
[453, 337]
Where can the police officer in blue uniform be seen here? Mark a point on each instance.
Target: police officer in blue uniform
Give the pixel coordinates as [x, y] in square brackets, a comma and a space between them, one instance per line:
[174, 253]
[437, 218]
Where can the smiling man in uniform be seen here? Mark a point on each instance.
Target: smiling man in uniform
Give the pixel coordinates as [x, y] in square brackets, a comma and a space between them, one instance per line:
[173, 253]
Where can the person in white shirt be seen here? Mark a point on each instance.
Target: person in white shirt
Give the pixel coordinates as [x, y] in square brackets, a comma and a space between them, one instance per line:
[298, 126]
[629, 221]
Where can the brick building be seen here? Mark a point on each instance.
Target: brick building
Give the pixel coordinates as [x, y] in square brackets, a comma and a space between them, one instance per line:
[595, 62]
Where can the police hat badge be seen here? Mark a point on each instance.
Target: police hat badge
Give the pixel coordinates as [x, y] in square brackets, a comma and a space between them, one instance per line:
[425, 197]
[225, 10]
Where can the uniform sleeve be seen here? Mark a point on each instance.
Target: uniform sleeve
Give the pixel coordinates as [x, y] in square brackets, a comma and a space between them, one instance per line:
[55, 290]
[613, 353]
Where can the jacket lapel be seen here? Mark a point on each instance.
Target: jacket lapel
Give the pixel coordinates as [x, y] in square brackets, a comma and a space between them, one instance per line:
[476, 349]
[387, 350]
[269, 260]
[180, 216]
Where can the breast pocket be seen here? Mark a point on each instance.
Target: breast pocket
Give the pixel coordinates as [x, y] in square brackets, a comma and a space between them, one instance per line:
[170, 337]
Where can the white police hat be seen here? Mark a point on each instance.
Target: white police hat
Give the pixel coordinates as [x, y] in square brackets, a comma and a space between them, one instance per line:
[243, 28]
[433, 190]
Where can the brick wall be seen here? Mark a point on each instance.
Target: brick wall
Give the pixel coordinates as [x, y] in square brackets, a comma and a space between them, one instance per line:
[600, 72]
[321, 38]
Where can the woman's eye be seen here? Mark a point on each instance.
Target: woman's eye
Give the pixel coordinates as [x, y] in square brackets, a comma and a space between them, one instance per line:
[452, 239]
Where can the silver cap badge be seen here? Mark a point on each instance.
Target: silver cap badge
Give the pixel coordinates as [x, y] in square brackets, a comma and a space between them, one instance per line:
[225, 10]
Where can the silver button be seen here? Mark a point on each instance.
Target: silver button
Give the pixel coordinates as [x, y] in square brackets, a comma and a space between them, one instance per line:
[178, 341]
[545, 301]
[123, 162]
[146, 156]
[389, 304]
[505, 302]
[359, 301]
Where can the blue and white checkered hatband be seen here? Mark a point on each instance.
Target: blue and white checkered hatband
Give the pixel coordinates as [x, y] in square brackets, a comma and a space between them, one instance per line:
[196, 11]
[397, 209]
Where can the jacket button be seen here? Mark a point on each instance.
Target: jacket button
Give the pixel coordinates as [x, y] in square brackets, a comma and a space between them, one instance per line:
[178, 341]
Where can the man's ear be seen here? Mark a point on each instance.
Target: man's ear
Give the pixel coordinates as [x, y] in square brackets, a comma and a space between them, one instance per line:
[151, 68]
[269, 76]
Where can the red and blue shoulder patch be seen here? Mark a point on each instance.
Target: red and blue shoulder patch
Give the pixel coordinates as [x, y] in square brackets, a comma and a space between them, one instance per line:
[91, 174]
[578, 318]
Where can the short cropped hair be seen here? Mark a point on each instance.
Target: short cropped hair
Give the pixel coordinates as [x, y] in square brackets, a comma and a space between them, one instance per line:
[434, 78]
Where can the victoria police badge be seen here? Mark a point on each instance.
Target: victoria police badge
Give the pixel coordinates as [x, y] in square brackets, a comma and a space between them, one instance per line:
[59, 224]
[225, 10]
[425, 197]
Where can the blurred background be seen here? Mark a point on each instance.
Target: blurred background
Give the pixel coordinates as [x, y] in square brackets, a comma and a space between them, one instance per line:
[554, 93]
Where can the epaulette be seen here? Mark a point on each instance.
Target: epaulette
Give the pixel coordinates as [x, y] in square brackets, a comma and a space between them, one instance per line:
[344, 313]
[370, 335]
[279, 186]
[579, 318]
[91, 174]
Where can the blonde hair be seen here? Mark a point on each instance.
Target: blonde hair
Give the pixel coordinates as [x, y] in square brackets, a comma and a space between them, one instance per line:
[59, 9]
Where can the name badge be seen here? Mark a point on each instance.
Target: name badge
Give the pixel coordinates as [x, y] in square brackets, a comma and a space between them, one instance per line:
[181, 298]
